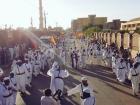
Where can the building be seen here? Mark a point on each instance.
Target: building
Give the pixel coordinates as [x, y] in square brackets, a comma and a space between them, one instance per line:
[114, 25]
[131, 25]
[78, 24]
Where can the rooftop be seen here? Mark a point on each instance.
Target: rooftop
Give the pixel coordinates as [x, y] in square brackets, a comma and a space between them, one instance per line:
[135, 19]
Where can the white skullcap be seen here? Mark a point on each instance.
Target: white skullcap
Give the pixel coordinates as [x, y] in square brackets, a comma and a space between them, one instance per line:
[1, 72]
[86, 90]
[84, 79]
[55, 64]
[6, 78]
[26, 59]
[19, 61]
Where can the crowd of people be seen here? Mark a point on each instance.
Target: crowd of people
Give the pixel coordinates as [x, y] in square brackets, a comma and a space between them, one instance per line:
[125, 68]
[9, 52]
[32, 62]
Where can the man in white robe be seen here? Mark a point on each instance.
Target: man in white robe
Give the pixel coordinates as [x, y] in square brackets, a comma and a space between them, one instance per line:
[13, 82]
[1, 87]
[19, 72]
[63, 56]
[42, 60]
[134, 77]
[11, 50]
[37, 66]
[83, 88]
[57, 76]
[121, 70]
[8, 88]
[83, 58]
[28, 72]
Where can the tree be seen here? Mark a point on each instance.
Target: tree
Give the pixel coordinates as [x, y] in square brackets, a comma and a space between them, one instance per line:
[137, 30]
[89, 31]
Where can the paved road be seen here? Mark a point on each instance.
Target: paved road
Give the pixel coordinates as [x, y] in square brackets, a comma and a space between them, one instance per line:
[107, 90]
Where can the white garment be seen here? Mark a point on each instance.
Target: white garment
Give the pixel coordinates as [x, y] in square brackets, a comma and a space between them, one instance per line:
[57, 83]
[63, 56]
[8, 98]
[121, 71]
[37, 68]
[28, 72]
[114, 64]
[20, 75]
[13, 64]
[11, 50]
[14, 84]
[78, 89]
[135, 80]
[1, 93]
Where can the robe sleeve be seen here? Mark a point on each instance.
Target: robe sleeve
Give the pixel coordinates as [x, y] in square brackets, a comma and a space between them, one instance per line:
[130, 74]
[74, 90]
[50, 72]
[66, 73]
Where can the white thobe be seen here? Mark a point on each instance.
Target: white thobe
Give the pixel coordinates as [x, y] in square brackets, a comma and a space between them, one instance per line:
[134, 79]
[43, 61]
[37, 68]
[121, 71]
[63, 55]
[28, 72]
[113, 64]
[57, 83]
[8, 98]
[78, 89]
[17, 51]
[11, 50]
[14, 84]
[1, 94]
[20, 75]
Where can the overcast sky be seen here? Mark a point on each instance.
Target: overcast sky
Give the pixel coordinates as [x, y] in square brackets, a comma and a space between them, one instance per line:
[19, 12]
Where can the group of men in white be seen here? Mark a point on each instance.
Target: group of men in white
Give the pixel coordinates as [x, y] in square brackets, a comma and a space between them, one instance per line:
[22, 70]
[55, 94]
[84, 54]
[34, 63]
[127, 69]
[123, 68]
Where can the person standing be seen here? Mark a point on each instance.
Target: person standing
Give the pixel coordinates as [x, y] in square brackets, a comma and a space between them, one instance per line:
[8, 88]
[28, 72]
[134, 77]
[121, 70]
[86, 93]
[19, 71]
[13, 82]
[57, 77]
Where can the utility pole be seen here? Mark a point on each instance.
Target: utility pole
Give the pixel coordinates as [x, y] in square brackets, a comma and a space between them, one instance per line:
[41, 25]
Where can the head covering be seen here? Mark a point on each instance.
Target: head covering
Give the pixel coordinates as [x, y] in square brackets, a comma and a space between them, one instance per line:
[86, 90]
[19, 61]
[6, 78]
[55, 65]
[84, 79]
[26, 59]
[1, 72]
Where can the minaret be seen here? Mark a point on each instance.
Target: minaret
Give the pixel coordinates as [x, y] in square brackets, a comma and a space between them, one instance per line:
[41, 25]
[45, 19]
[31, 22]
